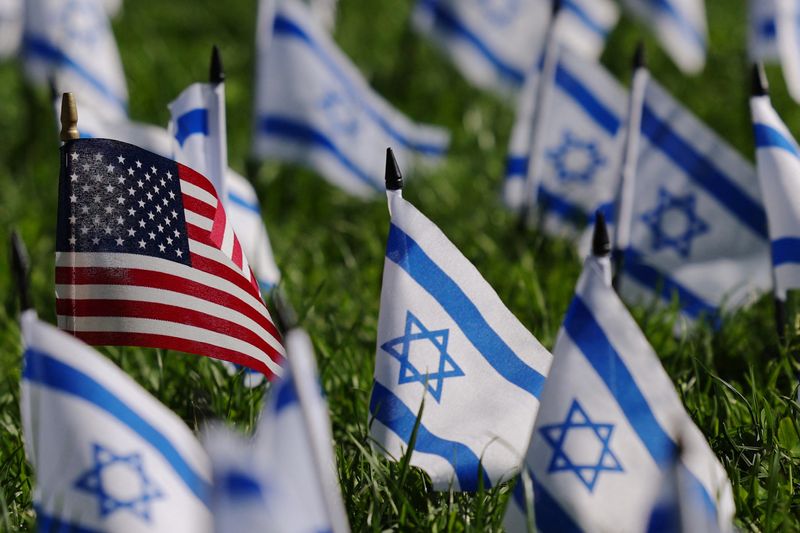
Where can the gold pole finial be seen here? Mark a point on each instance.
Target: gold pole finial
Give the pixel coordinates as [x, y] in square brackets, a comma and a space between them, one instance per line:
[69, 118]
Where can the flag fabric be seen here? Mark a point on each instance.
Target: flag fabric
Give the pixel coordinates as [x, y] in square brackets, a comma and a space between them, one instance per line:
[778, 158]
[680, 26]
[194, 134]
[698, 226]
[106, 454]
[72, 44]
[762, 37]
[12, 16]
[284, 476]
[145, 257]
[313, 107]
[445, 338]
[584, 136]
[495, 44]
[608, 426]
[775, 37]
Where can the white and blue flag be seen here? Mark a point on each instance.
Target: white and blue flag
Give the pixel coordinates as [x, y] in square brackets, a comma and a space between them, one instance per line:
[445, 338]
[778, 158]
[680, 26]
[496, 42]
[283, 479]
[584, 125]
[107, 455]
[762, 37]
[608, 426]
[314, 108]
[12, 17]
[775, 37]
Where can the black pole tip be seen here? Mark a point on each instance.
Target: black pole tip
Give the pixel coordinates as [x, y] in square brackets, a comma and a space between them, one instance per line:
[760, 83]
[640, 56]
[557, 4]
[216, 73]
[20, 266]
[394, 180]
[601, 244]
[287, 317]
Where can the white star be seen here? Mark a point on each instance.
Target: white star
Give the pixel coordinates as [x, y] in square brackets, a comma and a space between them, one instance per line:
[149, 196]
[163, 183]
[131, 211]
[98, 157]
[73, 198]
[179, 252]
[138, 164]
[130, 171]
[119, 241]
[142, 243]
[120, 200]
[150, 215]
[158, 208]
[177, 233]
[97, 198]
[167, 221]
[74, 156]
[107, 229]
[174, 214]
[141, 203]
[165, 201]
[140, 183]
[110, 169]
[131, 232]
[109, 209]
[147, 176]
[141, 223]
[85, 209]
[85, 188]
[96, 220]
[72, 219]
[121, 180]
[120, 220]
[169, 240]
[73, 177]
[120, 159]
[171, 195]
[160, 228]
[131, 191]
[98, 178]
[109, 188]
[86, 167]
[152, 236]
[84, 230]
[161, 248]
[156, 189]
[153, 169]
[169, 176]
[95, 240]
[72, 240]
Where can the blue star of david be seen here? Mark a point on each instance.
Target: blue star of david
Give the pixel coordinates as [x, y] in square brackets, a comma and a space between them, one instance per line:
[500, 12]
[674, 222]
[575, 159]
[109, 500]
[415, 332]
[556, 436]
[340, 113]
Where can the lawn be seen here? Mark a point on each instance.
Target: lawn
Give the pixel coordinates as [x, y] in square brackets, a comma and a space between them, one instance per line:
[737, 383]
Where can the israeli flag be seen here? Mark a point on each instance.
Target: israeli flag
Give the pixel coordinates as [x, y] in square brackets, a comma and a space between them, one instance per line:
[698, 227]
[494, 43]
[778, 158]
[195, 133]
[609, 423]
[446, 340]
[762, 35]
[775, 37]
[72, 44]
[12, 16]
[107, 455]
[580, 159]
[313, 107]
[285, 476]
[680, 26]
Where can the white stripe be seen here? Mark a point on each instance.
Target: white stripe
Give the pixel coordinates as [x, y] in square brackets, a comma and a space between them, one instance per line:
[197, 193]
[198, 220]
[166, 297]
[215, 254]
[171, 329]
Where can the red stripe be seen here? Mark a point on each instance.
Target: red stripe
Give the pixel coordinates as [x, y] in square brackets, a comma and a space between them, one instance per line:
[167, 313]
[196, 233]
[237, 253]
[218, 228]
[160, 280]
[190, 203]
[225, 272]
[195, 178]
[103, 338]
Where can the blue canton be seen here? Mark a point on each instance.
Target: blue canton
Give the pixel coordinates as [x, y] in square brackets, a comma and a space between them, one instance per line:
[588, 467]
[674, 222]
[135, 496]
[340, 113]
[575, 160]
[415, 332]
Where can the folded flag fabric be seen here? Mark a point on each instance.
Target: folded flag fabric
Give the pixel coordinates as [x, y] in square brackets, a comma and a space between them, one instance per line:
[286, 475]
[106, 454]
[194, 134]
[582, 147]
[72, 44]
[313, 107]
[608, 426]
[145, 256]
[778, 158]
[445, 338]
[775, 37]
[12, 16]
[680, 26]
[495, 44]
[698, 226]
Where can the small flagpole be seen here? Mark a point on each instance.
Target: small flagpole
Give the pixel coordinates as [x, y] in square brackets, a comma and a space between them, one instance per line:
[20, 266]
[630, 159]
[69, 118]
[543, 89]
[760, 87]
[393, 178]
[601, 245]
[219, 165]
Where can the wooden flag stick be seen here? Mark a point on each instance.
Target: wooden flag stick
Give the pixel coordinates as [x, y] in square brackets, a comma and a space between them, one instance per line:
[69, 118]
[20, 266]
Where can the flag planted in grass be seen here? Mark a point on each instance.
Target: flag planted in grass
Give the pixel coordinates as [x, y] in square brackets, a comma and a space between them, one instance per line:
[106, 454]
[147, 257]
[446, 338]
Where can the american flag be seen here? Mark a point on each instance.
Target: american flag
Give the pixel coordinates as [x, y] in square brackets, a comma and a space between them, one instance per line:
[145, 257]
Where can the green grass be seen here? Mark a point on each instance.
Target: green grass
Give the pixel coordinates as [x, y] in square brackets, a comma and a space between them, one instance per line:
[737, 383]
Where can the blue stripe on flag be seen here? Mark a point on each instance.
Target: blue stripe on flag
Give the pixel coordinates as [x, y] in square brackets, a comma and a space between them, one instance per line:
[244, 203]
[597, 110]
[549, 514]
[46, 523]
[286, 395]
[685, 25]
[191, 122]
[303, 133]
[42, 49]
[390, 411]
[408, 255]
[769, 137]
[447, 21]
[785, 250]
[285, 27]
[767, 28]
[691, 304]
[50, 372]
[562, 208]
[516, 166]
[264, 285]
[703, 172]
[585, 18]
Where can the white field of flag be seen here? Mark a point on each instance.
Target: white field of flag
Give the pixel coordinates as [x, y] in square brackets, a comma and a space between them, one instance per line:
[608, 426]
[778, 158]
[495, 44]
[106, 454]
[313, 107]
[12, 17]
[445, 336]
